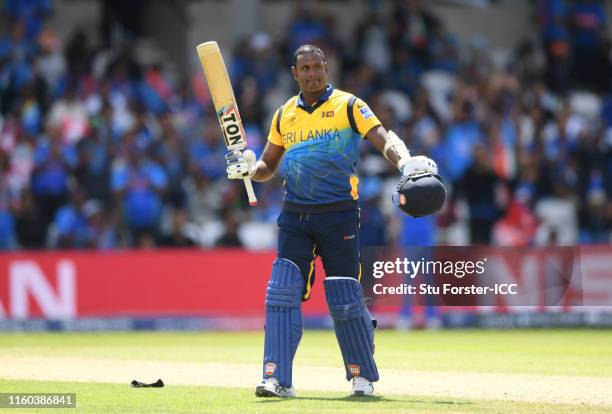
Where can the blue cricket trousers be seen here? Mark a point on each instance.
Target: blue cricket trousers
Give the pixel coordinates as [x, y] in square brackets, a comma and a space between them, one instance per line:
[334, 236]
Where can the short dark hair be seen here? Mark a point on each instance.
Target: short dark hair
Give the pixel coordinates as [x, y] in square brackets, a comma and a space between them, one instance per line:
[302, 50]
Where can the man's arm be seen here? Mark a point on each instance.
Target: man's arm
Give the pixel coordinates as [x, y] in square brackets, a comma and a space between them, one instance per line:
[394, 150]
[266, 166]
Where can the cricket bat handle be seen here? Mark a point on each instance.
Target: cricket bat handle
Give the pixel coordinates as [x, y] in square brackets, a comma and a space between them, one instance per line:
[251, 193]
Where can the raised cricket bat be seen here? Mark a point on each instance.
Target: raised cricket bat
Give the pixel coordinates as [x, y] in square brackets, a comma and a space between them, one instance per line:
[225, 103]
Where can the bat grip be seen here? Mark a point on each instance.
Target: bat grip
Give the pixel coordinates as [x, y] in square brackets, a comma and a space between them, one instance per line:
[250, 191]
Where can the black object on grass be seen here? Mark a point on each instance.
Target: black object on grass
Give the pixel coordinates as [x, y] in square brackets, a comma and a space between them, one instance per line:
[137, 384]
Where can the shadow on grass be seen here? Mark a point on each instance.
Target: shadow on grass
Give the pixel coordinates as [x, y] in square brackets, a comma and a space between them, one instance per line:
[361, 400]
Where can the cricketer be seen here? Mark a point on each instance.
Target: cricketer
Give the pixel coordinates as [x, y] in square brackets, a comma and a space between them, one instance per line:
[316, 134]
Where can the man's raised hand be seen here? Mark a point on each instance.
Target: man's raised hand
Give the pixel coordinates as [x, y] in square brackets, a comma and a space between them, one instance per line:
[240, 164]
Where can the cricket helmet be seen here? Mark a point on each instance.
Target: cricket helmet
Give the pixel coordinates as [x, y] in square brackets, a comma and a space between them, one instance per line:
[420, 194]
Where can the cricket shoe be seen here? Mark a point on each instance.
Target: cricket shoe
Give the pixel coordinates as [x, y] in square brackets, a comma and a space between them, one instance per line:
[271, 388]
[362, 387]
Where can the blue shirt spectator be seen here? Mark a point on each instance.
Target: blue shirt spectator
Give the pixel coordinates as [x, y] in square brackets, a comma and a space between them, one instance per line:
[208, 154]
[455, 152]
[587, 20]
[305, 28]
[419, 231]
[71, 228]
[16, 45]
[30, 11]
[372, 228]
[549, 12]
[53, 162]
[140, 183]
[151, 99]
[8, 235]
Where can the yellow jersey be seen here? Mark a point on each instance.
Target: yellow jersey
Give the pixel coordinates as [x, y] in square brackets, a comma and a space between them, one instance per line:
[321, 146]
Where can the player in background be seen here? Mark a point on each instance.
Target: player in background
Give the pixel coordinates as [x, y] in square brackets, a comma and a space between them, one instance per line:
[317, 134]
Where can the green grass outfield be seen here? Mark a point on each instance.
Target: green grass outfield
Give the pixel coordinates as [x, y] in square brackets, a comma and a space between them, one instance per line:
[192, 363]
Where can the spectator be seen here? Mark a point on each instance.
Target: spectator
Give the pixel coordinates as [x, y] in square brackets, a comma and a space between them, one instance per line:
[178, 236]
[230, 238]
[443, 49]
[7, 206]
[50, 64]
[594, 217]
[77, 53]
[20, 146]
[587, 24]
[372, 45]
[68, 116]
[185, 112]
[139, 185]
[454, 154]
[30, 223]
[412, 27]
[262, 62]
[70, 225]
[31, 12]
[117, 124]
[207, 153]
[372, 226]
[305, 27]
[81, 224]
[483, 192]
[17, 46]
[93, 169]
[101, 232]
[169, 152]
[145, 128]
[424, 130]
[405, 71]
[204, 198]
[30, 110]
[54, 162]
[16, 53]
[552, 16]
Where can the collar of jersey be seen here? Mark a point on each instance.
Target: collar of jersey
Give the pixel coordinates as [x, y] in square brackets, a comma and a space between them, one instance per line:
[310, 109]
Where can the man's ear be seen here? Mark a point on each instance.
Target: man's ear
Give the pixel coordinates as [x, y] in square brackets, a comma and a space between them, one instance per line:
[294, 72]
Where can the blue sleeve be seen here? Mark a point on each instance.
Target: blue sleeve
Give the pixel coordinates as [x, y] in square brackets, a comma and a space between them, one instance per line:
[46, 6]
[41, 153]
[70, 155]
[119, 179]
[151, 99]
[64, 221]
[602, 15]
[157, 176]
[5, 48]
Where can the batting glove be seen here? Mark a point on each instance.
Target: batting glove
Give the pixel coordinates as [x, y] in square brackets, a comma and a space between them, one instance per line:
[240, 164]
[419, 164]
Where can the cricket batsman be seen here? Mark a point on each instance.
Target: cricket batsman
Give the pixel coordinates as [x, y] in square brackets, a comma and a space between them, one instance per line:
[316, 134]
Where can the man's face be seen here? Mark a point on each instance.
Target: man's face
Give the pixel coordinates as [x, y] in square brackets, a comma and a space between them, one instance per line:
[310, 72]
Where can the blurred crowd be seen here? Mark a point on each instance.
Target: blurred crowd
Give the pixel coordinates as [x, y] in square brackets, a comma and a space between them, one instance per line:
[99, 150]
